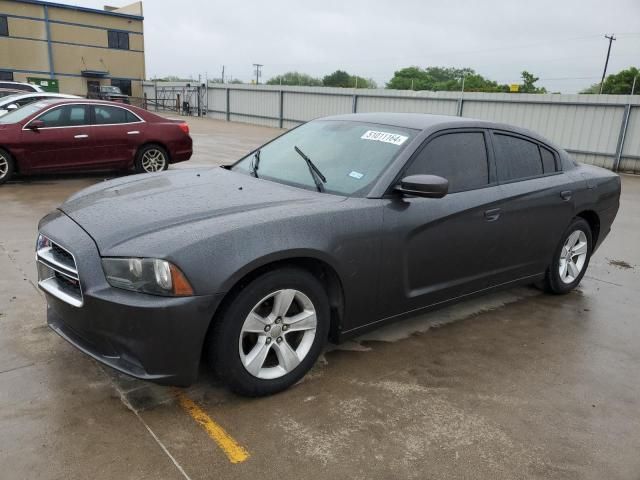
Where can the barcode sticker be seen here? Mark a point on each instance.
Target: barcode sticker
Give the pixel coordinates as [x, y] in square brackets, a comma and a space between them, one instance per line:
[385, 137]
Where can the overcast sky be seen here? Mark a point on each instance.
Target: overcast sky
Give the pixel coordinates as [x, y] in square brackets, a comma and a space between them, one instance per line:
[560, 41]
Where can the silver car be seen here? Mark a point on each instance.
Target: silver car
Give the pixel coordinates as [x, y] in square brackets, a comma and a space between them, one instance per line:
[13, 102]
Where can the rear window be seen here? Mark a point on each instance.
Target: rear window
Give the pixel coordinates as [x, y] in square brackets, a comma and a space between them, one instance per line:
[516, 158]
[106, 115]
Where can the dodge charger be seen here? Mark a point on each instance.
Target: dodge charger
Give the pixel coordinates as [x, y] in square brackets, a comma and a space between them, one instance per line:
[341, 225]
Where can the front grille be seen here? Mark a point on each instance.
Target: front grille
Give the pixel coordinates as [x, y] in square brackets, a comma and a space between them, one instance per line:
[58, 272]
[61, 255]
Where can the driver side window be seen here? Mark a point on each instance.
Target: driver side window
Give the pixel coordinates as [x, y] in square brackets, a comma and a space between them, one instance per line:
[461, 158]
[66, 116]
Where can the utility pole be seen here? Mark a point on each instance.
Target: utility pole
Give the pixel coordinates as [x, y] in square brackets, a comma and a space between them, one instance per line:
[222, 73]
[606, 62]
[258, 72]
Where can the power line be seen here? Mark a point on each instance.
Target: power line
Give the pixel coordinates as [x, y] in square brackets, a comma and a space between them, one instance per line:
[611, 39]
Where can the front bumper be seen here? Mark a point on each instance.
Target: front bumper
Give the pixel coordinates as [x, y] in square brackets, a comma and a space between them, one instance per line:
[149, 337]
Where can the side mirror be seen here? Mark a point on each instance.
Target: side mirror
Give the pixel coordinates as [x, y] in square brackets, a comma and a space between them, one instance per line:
[13, 106]
[428, 186]
[36, 125]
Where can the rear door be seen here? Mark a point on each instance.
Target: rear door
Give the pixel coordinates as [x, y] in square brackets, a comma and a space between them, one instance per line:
[438, 249]
[63, 143]
[537, 204]
[117, 134]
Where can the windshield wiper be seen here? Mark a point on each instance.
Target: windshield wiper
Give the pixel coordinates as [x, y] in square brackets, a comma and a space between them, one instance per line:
[318, 177]
[255, 163]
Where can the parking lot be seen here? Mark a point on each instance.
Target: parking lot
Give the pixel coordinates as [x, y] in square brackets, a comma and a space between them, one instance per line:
[517, 384]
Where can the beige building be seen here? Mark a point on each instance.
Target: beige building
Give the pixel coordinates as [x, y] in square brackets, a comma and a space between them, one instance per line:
[72, 49]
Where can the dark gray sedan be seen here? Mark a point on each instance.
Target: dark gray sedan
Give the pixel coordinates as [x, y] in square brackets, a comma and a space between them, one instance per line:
[334, 228]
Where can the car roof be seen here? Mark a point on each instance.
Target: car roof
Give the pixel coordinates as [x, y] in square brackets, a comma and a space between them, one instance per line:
[428, 121]
[21, 95]
[62, 101]
[416, 121]
[36, 88]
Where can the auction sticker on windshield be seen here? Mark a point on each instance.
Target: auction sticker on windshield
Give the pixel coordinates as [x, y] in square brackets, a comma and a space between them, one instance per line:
[385, 137]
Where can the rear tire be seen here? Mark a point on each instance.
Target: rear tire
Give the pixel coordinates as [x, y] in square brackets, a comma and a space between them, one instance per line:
[7, 166]
[571, 258]
[269, 335]
[151, 159]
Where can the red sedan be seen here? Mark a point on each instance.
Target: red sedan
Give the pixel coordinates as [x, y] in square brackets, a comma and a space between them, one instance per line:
[81, 135]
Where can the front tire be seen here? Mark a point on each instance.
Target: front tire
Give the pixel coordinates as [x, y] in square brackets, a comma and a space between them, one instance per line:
[151, 159]
[571, 259]
[7, 166]
[271, 333]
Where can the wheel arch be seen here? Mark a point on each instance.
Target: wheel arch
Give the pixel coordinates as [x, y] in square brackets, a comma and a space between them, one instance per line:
[16, 163]
[320, 268]
[149, 143]
[593, 219]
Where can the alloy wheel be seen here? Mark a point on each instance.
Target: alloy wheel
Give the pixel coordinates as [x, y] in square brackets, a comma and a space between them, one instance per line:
[153, 160]
[277, 334]
[573, 256]
[4, 166]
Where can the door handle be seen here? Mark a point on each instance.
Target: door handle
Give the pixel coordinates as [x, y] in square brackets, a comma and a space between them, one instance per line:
[566, 195]
[133, 132]
[492, 215]
[81, 136]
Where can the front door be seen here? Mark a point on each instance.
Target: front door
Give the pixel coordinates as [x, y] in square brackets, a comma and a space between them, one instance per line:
[63, 142]
[439, 249]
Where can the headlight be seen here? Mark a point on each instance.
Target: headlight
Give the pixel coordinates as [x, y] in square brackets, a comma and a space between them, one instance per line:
[147, 275]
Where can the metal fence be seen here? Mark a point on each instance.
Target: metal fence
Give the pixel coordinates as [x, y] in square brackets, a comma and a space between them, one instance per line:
[602, 130]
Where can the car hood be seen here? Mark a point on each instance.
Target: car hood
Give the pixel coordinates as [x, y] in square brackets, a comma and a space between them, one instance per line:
[117, 211]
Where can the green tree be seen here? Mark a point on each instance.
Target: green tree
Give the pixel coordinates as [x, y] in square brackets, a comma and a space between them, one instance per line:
[339, 78]
[528, 84]
[296, 79]
[618, 83]
[443, 79]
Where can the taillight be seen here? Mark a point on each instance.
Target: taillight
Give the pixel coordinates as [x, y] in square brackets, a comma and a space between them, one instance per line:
[184, 127]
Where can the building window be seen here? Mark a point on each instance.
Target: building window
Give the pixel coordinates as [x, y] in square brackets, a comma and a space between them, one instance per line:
[4, 26]
[6, 76]
[119, 40]
[123, 85]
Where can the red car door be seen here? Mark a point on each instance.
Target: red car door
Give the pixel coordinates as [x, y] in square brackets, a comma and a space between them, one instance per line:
[61, 141]
[117, 134]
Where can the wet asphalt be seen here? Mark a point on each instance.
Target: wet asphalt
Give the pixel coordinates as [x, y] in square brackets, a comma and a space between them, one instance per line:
[517, 384]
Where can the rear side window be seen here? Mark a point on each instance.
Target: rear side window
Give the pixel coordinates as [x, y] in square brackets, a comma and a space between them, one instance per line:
[461, 158]
[548, 160]
[67, 116]
[516, 158]
[105, 115]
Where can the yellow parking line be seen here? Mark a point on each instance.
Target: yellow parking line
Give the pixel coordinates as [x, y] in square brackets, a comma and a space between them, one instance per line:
[235, 452]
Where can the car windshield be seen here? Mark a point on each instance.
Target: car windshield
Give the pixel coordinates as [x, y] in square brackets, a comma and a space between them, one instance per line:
[20, 114]
[8, 99]
[351, 155]
[110, 89]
